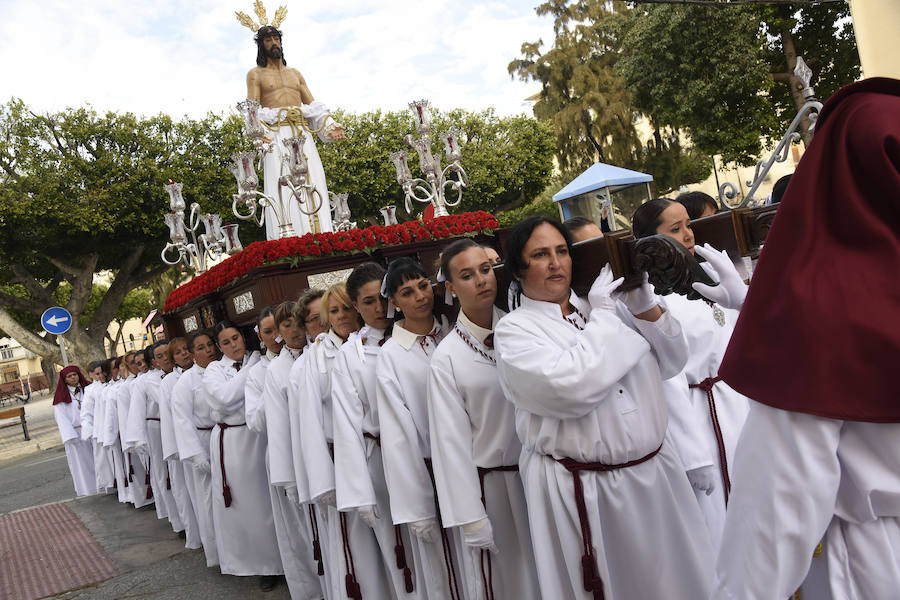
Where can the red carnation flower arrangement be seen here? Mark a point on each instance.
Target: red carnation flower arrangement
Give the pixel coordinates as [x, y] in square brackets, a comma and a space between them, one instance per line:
[293, 250]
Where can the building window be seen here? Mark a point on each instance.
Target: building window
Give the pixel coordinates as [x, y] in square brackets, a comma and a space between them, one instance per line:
[6, 354]
[12, 375]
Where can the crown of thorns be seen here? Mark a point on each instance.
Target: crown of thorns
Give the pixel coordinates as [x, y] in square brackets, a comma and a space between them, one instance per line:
[260, 11]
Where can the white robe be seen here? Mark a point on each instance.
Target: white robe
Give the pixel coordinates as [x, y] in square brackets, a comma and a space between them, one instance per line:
[359, 555]
[93, 410]
[317, 115]
[803, 477]
[359, 471]
[245, 531]
[143, 436]
[106, 432]
[192, 426]
[402, 373]
[690, 423]
[79, 452]
[181, 494]
[138, 482]
[595, 395]
[292, 529]
[473, 426]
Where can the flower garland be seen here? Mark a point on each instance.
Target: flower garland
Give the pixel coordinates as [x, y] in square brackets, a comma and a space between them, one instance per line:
[293, 250]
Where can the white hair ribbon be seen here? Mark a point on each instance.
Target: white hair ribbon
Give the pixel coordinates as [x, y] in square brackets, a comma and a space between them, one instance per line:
[448, 297]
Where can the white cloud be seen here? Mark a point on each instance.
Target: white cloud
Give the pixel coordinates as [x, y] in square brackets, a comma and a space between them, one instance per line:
[179, 57]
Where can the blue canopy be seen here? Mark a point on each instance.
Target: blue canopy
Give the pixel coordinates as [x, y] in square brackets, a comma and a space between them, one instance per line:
[599, 176]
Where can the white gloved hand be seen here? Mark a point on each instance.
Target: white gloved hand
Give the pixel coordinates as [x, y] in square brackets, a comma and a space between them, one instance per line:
[600, 296]
[703, 478]
[425, 530]
[326, 499]
[732, 290]
[640, 299]
[368, 514]
[200, 463]
[480, 534]
[291, 492]
[141, 449]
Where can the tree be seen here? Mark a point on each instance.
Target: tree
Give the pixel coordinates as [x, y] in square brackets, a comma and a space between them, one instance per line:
[725, 73]
[81, 193]
[508, 160]
[585, 99]
[137, 304]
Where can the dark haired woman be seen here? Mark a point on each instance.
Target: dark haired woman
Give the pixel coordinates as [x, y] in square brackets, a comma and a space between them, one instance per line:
[402, 373]
[610, 509]
[267, 413]
[67, 412]
[353, 552]
[705, 415]
[242, 511]
[473, 436]
[359, 471]
[193, 425]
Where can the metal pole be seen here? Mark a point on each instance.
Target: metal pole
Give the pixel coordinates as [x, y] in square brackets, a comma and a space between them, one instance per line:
[62, 350]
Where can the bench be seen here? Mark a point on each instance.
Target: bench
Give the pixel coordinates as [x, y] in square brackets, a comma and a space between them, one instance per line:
[15, 413]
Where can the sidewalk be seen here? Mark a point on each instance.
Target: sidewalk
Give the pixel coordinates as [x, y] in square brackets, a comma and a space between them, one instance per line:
[41, 427]
[120, 552]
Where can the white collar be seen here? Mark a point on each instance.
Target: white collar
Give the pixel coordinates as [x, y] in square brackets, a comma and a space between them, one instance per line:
[370, 336]
[338, 342]
[553, 309]
[479, 333]
[294, 352]
[407, 338]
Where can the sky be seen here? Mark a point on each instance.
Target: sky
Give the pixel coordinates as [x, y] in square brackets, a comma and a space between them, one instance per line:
[188, 58]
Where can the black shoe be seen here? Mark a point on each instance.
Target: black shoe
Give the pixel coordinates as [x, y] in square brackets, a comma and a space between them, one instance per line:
[182, 534]
[267, 583]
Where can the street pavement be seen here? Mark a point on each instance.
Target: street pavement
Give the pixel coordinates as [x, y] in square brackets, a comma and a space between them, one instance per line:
[151, 559]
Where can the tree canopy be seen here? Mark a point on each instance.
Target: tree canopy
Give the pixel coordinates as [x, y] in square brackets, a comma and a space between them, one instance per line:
[82, 193]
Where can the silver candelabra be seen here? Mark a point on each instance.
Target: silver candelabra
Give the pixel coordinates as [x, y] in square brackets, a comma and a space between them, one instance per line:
[195, 252]
[811, 107]
[294, 174]
[432, 189]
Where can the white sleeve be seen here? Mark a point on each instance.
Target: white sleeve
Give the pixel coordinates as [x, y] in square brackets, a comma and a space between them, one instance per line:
[186, 436]
[408, 482]
[319, 117]
[111, 418]
[455, 472]
[278, 429]
[688, 428]
[351, 468]
[254, 409]
[297, 375]
[136, 427]
[314, 446]
[565, 383]
[87, 414]
[666, 339]
[225, 396]
[67, 430]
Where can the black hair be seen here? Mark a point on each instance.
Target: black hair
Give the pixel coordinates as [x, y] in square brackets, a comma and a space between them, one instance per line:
[646, 219]
[106, 368]
[222, 326]
[267, 311]
[94, 364]
[148, 354]
[361, 275]
[519, 236]
[779, 188]
[192, 339]
[261, 35]
[400, 271]
[696, 202]
[575, 223]
[452, 250]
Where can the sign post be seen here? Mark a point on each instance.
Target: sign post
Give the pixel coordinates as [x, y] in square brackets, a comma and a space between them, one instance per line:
[57, 320]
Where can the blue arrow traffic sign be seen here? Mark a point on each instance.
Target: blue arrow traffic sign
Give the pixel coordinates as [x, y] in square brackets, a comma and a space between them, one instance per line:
[56, 320]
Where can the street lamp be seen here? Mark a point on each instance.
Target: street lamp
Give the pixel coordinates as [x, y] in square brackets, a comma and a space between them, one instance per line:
[430, 190]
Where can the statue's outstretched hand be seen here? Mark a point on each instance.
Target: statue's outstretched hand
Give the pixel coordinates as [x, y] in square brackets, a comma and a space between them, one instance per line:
[336, 133]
